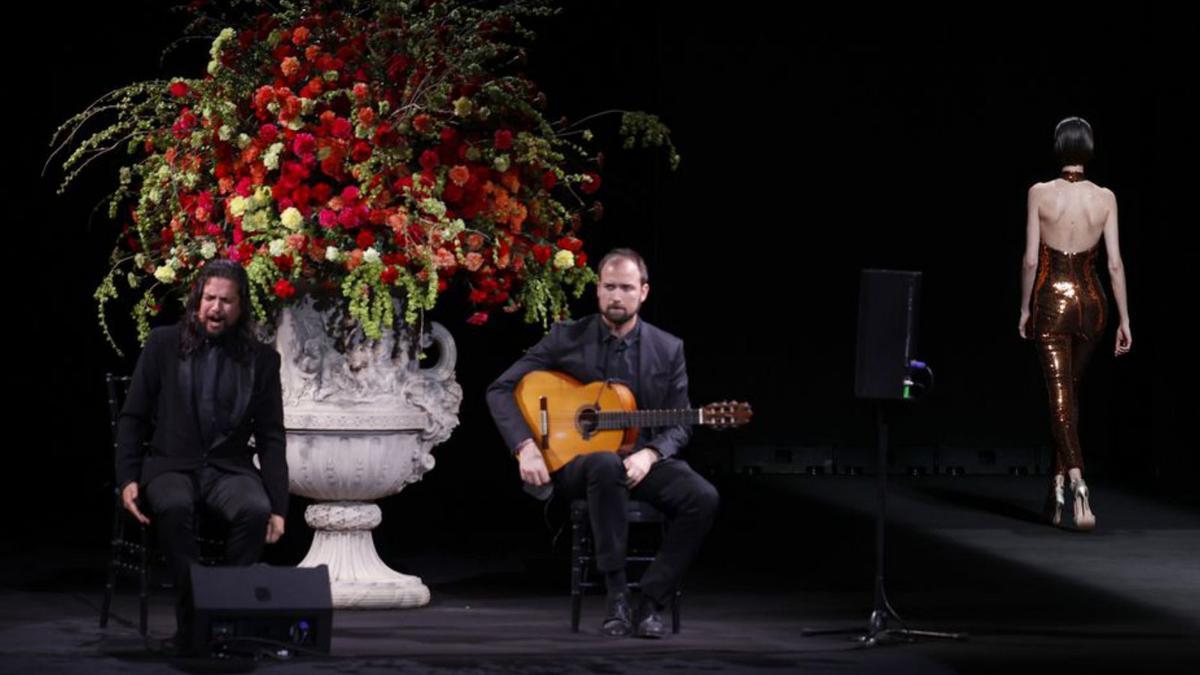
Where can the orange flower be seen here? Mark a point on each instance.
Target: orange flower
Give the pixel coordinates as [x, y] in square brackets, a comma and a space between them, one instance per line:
[460, 175]
[510, 181]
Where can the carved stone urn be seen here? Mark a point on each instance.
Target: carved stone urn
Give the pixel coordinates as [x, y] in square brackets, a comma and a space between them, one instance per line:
[361, 416]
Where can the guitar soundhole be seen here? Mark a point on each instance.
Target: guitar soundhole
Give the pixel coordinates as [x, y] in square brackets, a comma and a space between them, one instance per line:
[587, 420]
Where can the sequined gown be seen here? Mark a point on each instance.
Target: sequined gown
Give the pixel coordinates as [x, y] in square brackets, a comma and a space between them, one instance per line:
[1067, 316]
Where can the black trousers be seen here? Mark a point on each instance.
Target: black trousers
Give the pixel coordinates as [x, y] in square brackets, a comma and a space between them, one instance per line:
[237, 499]
[688, 501]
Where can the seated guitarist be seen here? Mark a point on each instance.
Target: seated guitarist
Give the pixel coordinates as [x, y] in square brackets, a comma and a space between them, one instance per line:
[616, 345]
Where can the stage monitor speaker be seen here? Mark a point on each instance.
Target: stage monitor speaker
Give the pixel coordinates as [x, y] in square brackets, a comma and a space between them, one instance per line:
[887, 327]
[239, 608]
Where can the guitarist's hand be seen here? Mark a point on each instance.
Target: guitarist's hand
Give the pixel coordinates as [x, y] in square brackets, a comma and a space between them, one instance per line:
[532, 465]
[638, 465]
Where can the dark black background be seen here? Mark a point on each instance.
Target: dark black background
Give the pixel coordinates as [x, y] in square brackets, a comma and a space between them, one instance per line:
[814, 145]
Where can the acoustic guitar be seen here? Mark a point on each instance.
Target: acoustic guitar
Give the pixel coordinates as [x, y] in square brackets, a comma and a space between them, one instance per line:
[570, 418]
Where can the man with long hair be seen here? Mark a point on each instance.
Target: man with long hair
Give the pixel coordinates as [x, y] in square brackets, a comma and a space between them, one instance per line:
[201, 389]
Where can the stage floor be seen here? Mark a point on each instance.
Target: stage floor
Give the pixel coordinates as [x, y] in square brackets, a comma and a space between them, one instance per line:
[788, 553]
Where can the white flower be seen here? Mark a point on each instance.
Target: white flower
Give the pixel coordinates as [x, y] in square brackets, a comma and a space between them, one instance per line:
[237, 206]
[164, 172]
[277, 247]
[154, 195]
[564, 260]
[332, 254]
[208, 249]
[133, 280]
[371, 255]
[225, 133]
[292, 219]
[165, 274]
[139, 259]
[271, 158]
[243, 140]
[501, 163]
[262, 197]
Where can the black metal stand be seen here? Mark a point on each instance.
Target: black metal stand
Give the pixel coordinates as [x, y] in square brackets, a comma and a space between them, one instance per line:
[878, 633]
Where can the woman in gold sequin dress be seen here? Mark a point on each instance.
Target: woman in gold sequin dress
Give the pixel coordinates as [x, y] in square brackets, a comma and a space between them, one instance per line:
[1063, 305]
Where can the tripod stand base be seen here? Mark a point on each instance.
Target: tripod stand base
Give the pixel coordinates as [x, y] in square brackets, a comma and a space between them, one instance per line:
[878, 634]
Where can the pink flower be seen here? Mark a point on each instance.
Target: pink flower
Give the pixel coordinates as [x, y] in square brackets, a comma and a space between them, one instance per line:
[304, 146]
[478, 318]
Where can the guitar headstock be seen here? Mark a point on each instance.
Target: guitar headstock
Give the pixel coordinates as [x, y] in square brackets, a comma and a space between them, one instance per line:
[727, 414]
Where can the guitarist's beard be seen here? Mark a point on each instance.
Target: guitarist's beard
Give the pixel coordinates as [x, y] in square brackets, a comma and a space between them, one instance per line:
[619, 316]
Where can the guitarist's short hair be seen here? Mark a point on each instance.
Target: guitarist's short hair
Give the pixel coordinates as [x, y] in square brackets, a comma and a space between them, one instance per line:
[628, 254]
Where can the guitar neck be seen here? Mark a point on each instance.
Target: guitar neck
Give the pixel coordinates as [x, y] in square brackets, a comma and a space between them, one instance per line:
[649, 418]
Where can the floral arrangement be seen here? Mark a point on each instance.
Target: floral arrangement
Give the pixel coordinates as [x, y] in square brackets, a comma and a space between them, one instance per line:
[363, 151]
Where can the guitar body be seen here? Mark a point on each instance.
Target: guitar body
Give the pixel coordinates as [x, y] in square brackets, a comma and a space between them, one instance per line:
[568, 404]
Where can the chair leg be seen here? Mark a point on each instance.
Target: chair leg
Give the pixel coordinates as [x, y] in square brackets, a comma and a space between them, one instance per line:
[110, 583]
[577, 573]
[143, 584]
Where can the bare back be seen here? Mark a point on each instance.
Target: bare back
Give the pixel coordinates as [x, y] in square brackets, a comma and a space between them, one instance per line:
[1072, 216]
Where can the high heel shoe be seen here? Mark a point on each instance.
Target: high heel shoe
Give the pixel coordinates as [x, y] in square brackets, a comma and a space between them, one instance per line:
[1084, 518]
[1056, 499]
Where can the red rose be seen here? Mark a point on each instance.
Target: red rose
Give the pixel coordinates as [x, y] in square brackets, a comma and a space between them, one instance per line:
[581, 260]
[284, 289]
[541, 253]
[267, 133]
[388, 275]
[179, 89]
[342, 128]
[429, 160]
[503, 139]
[549, 180]
[452, 193]
[442, 285]
[361, 151]
[478, 318]
[477, 296]
[284, 263]
[245, 252]
[422, 123]
[365, 239]
[571, 244]
[591, 186]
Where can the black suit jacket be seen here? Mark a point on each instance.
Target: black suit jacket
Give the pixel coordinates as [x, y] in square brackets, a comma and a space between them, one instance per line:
[161, 398]
[573, 347]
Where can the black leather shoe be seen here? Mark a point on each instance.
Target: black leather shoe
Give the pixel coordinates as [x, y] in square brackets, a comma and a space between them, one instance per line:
[647, 623]
[617, 623]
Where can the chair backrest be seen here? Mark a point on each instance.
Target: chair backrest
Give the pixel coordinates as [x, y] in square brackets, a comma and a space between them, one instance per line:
[118, 387]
